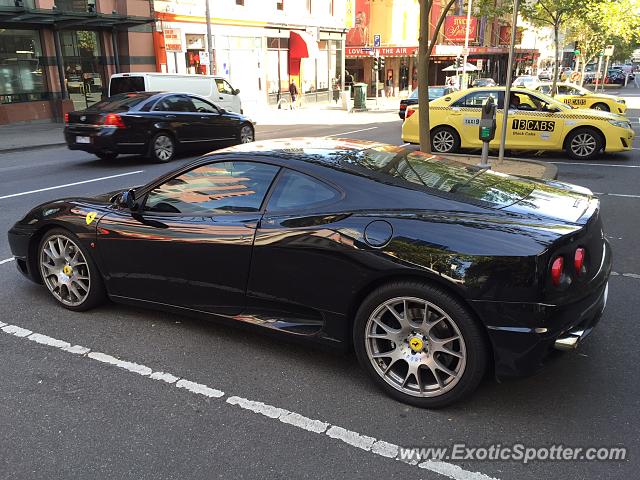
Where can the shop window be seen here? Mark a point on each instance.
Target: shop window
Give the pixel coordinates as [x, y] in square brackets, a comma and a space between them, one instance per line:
[22, 78]
[83, 71]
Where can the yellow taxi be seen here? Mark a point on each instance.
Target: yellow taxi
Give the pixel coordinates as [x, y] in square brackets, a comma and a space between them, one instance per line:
[579, 97]
[536, 122]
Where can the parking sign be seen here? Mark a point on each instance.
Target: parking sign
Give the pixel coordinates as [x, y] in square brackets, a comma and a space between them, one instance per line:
[376, 41]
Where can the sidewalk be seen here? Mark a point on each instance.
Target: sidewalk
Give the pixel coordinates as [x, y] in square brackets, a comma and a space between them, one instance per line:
[30, 136]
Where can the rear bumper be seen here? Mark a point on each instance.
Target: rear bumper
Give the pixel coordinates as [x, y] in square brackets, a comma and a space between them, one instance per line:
[111, 140]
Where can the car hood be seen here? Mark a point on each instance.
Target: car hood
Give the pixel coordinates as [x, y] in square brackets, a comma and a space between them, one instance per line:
[581, 112]
[605, 96]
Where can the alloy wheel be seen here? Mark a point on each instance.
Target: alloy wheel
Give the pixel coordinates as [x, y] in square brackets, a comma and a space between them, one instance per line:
[443, 141]
[246, 134]
[65, 270]
[163, 147]
[415, 346]
[583, 144]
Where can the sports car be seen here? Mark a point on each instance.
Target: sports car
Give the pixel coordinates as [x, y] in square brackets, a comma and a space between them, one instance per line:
[579, 97]
[435, 272]
[536, 122]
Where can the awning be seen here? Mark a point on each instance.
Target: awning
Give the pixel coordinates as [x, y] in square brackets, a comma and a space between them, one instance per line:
[302, 45]
[23, 16]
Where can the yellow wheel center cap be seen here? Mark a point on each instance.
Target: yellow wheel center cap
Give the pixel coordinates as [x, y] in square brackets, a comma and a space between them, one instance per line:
[67, 270]
[416, 344]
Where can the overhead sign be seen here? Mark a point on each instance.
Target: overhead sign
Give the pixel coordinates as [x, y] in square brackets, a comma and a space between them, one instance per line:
[504, 36]
[455, 28]
[376, 40]
[608, 51]
[172, 39]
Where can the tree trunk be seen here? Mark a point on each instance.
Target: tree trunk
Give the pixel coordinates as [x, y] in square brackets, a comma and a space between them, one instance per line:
[423, 77]
[556, 74]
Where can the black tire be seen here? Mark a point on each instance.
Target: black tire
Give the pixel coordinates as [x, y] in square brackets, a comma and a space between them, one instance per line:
[584, 144]
[106, 155]
[475, 344]
[246, 133]
[444, 140]
[162, 148]
[601, 106]
[96, 293]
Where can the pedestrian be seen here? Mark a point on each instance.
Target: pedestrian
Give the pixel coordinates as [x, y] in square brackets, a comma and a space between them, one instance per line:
[293, 91]
[389, 85]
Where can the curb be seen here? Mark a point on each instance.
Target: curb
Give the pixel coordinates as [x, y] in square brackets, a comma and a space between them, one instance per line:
[31, 147]
[550, 170]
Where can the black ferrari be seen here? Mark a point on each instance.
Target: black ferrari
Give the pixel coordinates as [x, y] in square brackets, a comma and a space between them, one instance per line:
[433, 271]
[157, 125]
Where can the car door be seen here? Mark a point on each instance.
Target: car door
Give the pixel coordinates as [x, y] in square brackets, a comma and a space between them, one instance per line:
[219, 127]
[466, 112]
[178, 111]
[226, 96]
[531, 125]
[190, 242]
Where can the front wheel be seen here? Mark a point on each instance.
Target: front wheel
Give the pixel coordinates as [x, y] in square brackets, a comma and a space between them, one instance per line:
[162, 148]
[419, 344]
[68, 271]
[246, 134]
[444, 140]
[583, 144]
[601, 106]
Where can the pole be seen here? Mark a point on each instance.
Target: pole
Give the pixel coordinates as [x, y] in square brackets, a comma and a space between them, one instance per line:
[598, 73]
[376, 73]
[114, 46]
[209, 37]
[56, 41]
[606, 71]
[507, 93]
[463, 85]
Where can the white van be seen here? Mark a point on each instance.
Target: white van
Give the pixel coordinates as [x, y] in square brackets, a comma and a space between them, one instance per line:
[216, 89]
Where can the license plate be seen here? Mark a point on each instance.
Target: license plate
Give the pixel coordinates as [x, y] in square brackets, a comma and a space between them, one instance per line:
[83, 139]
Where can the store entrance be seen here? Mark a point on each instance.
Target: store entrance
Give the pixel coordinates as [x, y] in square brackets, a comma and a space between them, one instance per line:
[84, 76]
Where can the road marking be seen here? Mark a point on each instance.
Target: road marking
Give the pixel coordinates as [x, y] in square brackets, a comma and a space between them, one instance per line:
[70, 184]
[628, 275]
[626, 195]
[355, 439]
[596, 164]
[352, 131]
[7, 260]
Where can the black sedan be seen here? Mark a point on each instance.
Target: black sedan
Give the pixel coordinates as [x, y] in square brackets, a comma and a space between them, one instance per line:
[434, 92]
[433, 271]
[154, 124]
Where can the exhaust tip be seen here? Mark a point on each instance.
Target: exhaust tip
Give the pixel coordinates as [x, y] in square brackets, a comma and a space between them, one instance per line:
[566, 343]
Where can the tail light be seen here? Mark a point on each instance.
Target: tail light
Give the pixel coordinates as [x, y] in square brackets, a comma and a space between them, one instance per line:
[578, 260]
[113, 120]
[410, 112]
[66, 118]
[403, 106]
[557, 268]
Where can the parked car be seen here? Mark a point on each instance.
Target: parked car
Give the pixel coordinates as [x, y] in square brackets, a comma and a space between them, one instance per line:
[434, 92]
[544, 75]
[470, 271]
[525, 81]
[484, 82]
[216, 89]
[154, 124]
[580, 97]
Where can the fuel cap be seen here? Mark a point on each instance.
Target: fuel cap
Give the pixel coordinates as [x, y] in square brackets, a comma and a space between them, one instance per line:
[378, 233]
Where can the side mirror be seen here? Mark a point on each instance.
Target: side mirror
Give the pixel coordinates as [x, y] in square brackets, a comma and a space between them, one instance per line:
[236, 91]
[553, 108]
[128, 199]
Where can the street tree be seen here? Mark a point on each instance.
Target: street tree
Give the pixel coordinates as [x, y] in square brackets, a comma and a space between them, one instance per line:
[425, 48]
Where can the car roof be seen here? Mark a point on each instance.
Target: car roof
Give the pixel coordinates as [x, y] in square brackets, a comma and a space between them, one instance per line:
[317, 147]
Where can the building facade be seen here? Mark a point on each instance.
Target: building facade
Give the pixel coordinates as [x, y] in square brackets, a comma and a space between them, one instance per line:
[260, 46]
[57, 55]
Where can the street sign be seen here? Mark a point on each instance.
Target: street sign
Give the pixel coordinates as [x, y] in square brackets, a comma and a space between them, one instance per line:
[465, 52]
[376, 41]
[204, 57]
[608, 51]
[576, 52]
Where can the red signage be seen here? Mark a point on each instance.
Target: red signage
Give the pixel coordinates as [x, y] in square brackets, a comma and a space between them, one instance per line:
[353, 52]
[455, 28]
[359, 33]
[505, 35]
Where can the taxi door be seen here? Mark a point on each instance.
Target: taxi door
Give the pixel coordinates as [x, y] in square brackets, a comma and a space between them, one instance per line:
[530, 126]
[465, 116]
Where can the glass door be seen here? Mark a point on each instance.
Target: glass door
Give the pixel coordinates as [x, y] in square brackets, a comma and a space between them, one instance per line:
[84, 75]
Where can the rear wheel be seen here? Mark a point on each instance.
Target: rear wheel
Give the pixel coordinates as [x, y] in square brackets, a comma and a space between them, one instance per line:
[444, 140]
[162, 148]
[106, 155]
[419, 344]
[583, 144]
[246, 134]
[601, 106]
[68, 271]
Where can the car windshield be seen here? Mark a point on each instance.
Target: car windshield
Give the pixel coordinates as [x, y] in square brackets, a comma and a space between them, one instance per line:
[119, 103]
[552, 101]
[434, 92]
[442, 175]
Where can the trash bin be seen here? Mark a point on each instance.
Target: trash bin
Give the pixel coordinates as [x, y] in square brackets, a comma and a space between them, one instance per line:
[360, 96]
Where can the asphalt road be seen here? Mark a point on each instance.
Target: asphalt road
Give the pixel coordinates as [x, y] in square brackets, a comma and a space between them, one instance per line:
[64, 415]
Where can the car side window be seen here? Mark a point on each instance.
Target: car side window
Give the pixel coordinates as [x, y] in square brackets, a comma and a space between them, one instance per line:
[175, 103]
[203, 107]
[546, 89]
[477, 99]
[223, 86]
[564, 90]
[297, 190]
[221, 187]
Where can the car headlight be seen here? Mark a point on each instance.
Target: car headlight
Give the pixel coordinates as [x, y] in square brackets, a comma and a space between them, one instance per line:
[621, 100]
[620, 123]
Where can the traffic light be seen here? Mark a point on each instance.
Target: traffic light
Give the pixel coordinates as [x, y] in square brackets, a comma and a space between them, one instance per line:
[458, 62]
[375, 63]
[381, 63]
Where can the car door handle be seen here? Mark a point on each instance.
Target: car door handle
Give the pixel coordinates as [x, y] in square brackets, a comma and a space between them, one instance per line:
[169, 116]
[204, 117]
[221, 98]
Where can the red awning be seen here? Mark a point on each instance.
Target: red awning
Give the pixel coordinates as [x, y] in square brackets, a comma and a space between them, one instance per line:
[302, 45]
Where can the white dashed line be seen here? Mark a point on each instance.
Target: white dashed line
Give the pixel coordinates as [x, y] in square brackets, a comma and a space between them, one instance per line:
[597, 164]
[354, 439]
[628, 275]
[7, 260]
[625, 195]
[70, 184]
[352, 131]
